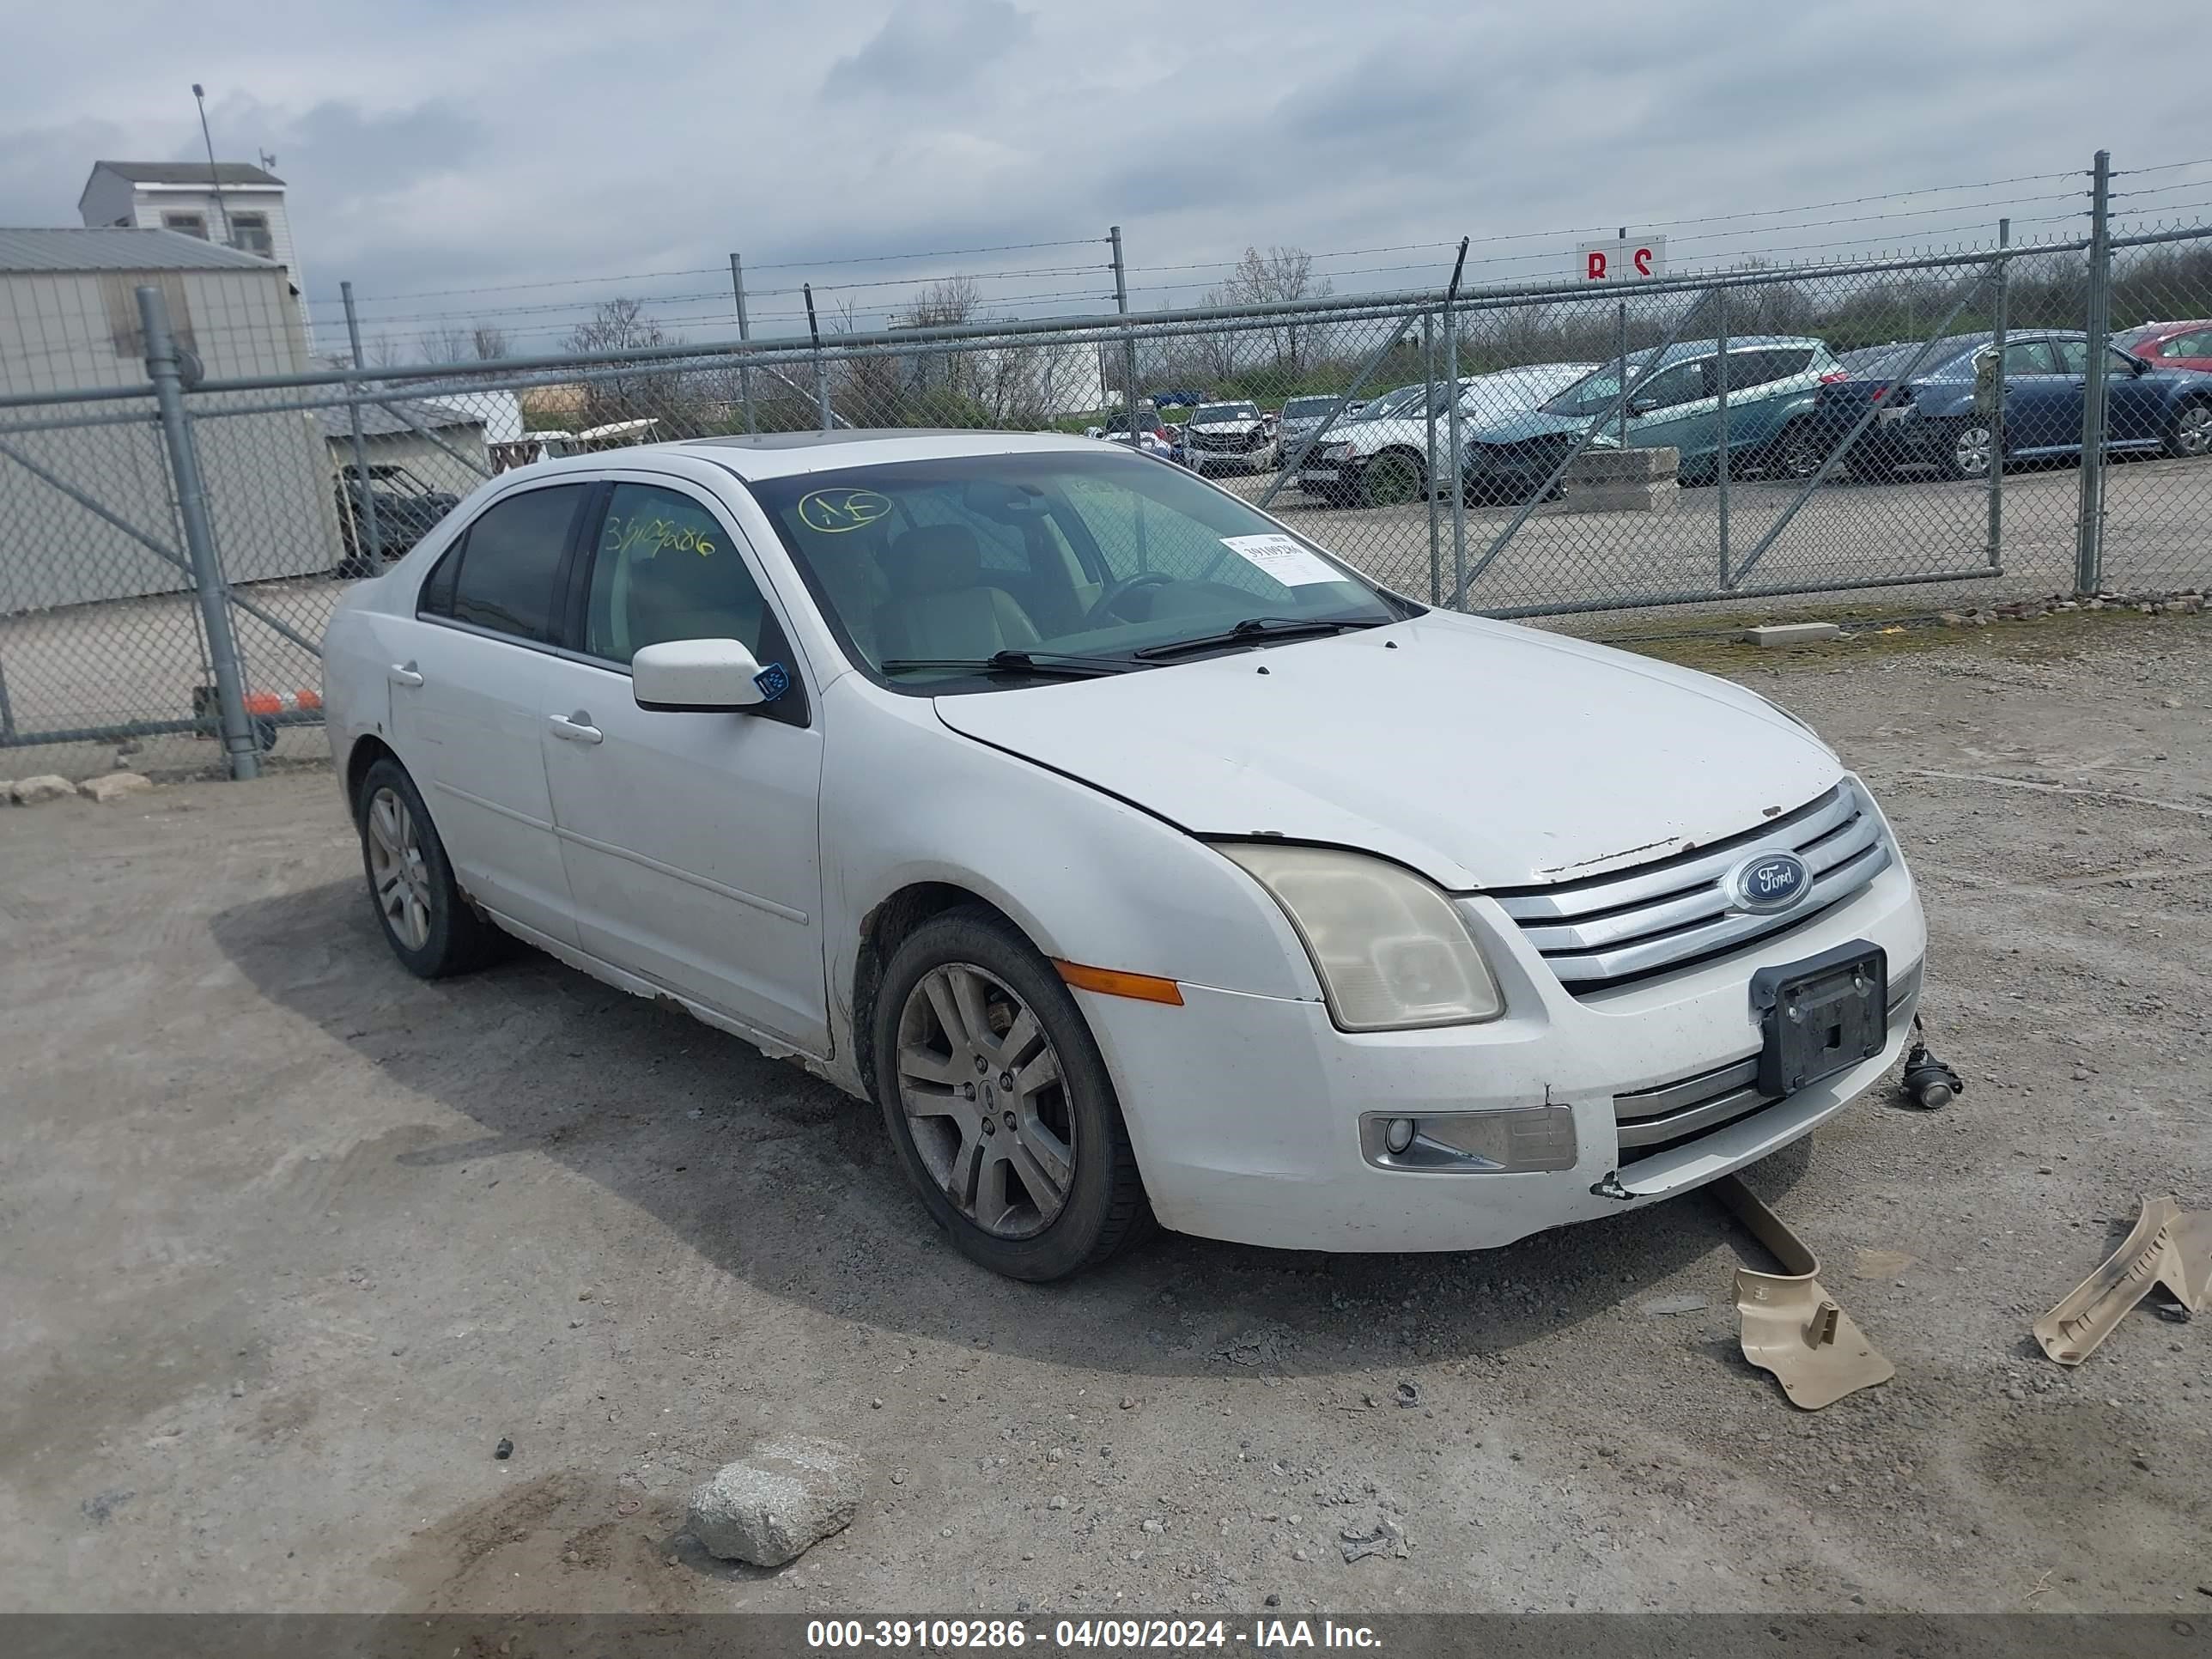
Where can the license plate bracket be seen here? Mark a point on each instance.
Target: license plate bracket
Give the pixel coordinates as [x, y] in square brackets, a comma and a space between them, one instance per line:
[1820, 1015]
[1320, 475]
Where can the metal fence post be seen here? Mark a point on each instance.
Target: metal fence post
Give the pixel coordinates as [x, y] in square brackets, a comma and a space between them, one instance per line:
[1429, 401]
[364, 511]
[1128, 340]
[162, 365]
[2089, 529]
[1621, 323]
[2000, 320]
[1458, 481]
[1720, 421]
[821, 368]
[745, 333]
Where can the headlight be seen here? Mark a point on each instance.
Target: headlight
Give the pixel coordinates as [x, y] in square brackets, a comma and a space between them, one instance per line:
[1391, 952]
[1337, 452]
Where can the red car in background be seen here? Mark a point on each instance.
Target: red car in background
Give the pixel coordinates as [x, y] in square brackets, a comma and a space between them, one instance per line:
[2171, 346]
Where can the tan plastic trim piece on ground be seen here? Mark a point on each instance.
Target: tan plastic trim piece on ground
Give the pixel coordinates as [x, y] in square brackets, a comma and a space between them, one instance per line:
[1791, 1327]
[2166, 1246]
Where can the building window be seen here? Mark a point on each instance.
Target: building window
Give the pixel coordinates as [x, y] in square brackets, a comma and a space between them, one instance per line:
[186, 224]
[249, 233]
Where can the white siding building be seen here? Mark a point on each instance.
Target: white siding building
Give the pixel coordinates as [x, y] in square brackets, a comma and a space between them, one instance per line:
[68, 319]
[233, 204]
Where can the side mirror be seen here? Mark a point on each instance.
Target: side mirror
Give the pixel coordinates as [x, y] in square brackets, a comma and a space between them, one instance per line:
[703, 676]
[1643, 405]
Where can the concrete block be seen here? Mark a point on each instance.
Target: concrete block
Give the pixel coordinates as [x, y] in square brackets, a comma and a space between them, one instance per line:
[1773, 634]
[777, 1501]
[114, 786]
[37, 791]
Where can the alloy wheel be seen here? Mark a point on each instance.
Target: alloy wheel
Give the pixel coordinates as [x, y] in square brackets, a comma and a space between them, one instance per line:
[986, 1101]
[397, 872]
[1970, 451]
[1392, 480]
[2192, 431]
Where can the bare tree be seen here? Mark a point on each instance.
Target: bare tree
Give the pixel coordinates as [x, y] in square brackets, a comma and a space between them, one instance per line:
[383, 351]
[948, 302]
[624, 324]
[450, 344]
[619, 324]
[1278, 276]
[1219, 352]
[487, 340]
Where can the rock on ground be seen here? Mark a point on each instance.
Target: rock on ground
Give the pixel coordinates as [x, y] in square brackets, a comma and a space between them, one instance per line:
[772, 1506]
[114, 786]
[37, 791]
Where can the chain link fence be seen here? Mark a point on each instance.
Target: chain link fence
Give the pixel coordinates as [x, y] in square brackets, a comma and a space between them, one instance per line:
[170, 551]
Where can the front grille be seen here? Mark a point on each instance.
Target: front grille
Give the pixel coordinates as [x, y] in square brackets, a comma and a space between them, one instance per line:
[1230, 442]
[1608, 930]
[1652, 1120]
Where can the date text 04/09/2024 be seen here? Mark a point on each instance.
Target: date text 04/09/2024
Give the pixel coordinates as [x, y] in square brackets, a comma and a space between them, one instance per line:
[1264, 1635]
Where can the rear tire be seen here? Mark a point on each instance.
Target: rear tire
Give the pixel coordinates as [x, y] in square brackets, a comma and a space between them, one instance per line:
[998, 1103]
[1798, 453]
[2189, 437]
[430, 926]
[1968, 449]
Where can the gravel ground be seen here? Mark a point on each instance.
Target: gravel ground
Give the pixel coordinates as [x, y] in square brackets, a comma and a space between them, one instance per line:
[293, 1240]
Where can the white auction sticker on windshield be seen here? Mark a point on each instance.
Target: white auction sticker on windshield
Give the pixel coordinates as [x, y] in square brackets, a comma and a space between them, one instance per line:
[1283, 559]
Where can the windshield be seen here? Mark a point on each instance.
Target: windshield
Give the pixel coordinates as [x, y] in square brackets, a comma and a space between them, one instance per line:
[1596, 393]
[1209, 413]
[1096, 555]
[1298, 408]
[1405, 399]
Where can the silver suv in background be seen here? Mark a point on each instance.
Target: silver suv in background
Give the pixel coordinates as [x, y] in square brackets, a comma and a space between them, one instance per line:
[1302, 418]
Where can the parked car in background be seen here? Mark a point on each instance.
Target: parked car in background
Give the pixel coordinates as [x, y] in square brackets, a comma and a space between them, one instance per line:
[1227, 437]
[2171, 346]
[1771, 382]
[1302, 418]
[1383, 460]
[938, 763]
[407, 509]
[1934, 417]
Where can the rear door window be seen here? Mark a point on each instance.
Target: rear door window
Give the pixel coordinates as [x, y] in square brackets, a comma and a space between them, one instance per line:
[2030, 357]
[502, 574]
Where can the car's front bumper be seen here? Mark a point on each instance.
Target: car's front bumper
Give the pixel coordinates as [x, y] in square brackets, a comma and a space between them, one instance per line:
[1246, 1111]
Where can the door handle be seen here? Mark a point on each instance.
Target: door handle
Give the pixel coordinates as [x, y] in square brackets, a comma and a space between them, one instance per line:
[403, 673]
[576, 727]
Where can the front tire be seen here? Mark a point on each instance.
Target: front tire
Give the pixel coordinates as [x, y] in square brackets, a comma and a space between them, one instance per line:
[2190, 437]
[998, 1103]
[430, 927]
[1393, 478]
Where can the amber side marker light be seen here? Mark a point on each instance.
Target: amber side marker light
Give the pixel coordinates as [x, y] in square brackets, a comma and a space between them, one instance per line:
[1145, 987]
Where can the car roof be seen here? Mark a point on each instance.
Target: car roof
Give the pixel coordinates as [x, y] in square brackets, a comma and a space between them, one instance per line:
[782, 454]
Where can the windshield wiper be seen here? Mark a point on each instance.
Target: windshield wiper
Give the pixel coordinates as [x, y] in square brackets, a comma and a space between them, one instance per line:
[1049, 664]
[1258, 628]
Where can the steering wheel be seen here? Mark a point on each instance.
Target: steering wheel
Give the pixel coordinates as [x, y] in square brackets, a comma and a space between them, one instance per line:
[1104, 603]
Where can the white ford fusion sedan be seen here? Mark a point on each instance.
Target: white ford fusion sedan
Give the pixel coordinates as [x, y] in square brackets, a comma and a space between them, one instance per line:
[1134, 856]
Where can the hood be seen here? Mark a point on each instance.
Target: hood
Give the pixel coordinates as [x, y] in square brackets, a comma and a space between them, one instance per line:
[1480, 754]
[1243, 425]
[1534, 424]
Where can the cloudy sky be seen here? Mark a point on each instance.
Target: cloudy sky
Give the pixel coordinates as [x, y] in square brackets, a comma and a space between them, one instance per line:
[513, 150]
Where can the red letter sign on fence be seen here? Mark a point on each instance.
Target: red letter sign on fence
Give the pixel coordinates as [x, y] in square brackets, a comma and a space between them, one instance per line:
[1623, 262]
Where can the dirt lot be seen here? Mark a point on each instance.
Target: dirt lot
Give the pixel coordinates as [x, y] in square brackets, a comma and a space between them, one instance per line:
[292, 1240]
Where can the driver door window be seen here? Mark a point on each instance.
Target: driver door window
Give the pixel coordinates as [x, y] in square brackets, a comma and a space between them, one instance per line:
[1684, 383]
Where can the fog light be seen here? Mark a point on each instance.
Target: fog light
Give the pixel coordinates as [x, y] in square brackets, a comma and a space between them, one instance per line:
[1399, 1134]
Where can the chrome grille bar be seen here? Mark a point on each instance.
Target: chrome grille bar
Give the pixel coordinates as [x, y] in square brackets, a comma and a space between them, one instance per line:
[1606, 929]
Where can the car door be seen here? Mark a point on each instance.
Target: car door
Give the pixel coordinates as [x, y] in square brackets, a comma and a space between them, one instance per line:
[2043, 402]
[466, 683]
[1676, 407]
[2135, 402]
[690, 839]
